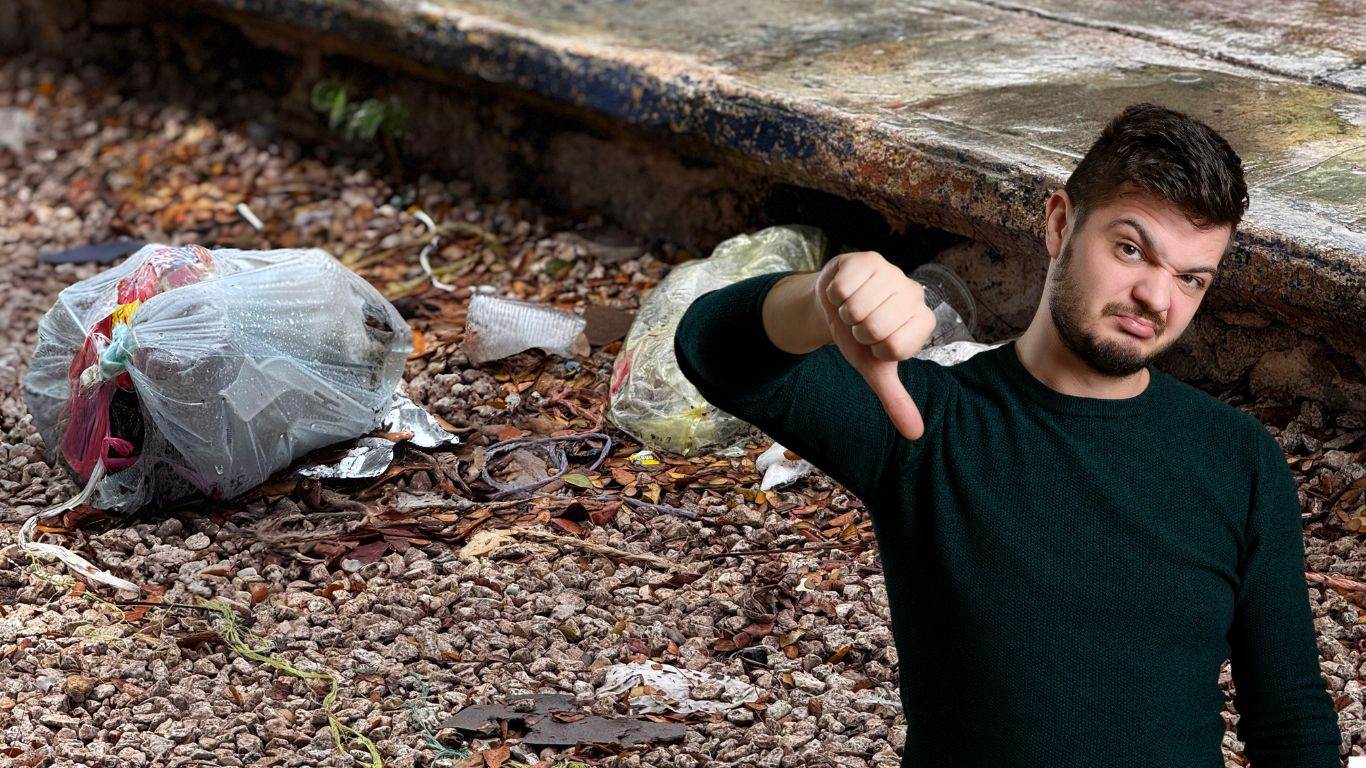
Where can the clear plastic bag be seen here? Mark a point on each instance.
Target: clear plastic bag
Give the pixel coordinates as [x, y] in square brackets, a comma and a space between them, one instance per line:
[184, 370]
[650, 398]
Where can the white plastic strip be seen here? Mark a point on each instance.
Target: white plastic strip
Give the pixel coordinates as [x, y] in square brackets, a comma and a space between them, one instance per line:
[73, 561]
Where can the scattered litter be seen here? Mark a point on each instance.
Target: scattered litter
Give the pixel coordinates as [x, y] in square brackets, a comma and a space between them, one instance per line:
[546, 730]
[424, 256]
[406, 416]
[955, 352]
[780, 467]
[882, 704]
[184, 370]
[497, 327]
[651, 399]
[16, 127]
[249, 217]
[28, 543]
[93, 254]
[644, 459]
[666, 688]
[372, 456]
[369, 457]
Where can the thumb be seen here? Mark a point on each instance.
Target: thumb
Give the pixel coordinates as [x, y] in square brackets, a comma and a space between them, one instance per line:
[896, 401]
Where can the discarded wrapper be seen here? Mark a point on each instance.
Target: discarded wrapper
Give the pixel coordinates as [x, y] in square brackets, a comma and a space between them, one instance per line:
[644, 459]
[779, 470]
[674, 688]
[497, 327]
[372, 456]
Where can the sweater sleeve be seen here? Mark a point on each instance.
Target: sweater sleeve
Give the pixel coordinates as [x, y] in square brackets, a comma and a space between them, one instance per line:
[1286, 717]
[814, 404]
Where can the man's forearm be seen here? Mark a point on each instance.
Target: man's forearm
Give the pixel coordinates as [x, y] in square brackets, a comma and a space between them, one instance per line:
[792, 316]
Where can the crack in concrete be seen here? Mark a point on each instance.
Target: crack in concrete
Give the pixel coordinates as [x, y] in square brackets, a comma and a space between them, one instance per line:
[1320, 79]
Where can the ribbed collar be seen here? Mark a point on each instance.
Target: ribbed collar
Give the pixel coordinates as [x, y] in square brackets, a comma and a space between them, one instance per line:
[1018, 376]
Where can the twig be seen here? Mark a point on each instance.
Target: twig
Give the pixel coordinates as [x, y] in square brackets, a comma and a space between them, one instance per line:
[184, 606]
[785, 550]
[598, 549]
[1335, 581]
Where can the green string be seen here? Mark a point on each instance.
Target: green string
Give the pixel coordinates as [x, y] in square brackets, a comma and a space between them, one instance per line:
[231, 634]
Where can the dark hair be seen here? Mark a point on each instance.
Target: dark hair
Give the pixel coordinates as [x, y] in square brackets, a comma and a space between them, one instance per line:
[1165, 153]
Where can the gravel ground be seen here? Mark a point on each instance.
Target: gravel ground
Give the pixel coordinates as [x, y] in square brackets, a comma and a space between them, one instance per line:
[84, 683]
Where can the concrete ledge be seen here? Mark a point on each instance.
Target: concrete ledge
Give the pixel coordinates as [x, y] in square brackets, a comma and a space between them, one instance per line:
[961, 115]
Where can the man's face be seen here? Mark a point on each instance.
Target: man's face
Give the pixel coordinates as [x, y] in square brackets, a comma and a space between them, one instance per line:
[1128, 281]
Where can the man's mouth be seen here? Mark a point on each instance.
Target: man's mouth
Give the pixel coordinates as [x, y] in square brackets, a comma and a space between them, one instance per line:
[1136, 327]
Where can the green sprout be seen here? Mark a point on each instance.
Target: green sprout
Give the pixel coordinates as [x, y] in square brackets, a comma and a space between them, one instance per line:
[366, 119]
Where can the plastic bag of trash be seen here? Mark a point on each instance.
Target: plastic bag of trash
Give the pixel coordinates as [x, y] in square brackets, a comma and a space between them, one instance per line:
[650, 398]
[184, 370]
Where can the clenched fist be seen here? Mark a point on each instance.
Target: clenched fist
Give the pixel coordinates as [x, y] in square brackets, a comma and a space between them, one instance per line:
[877, 316]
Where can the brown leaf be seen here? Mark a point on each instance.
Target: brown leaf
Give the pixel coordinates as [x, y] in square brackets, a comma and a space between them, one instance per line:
[566, 525]
[752, 634]
[604, 514]
[196, 639]
[495, 757]
[369, 553]
[507, 432]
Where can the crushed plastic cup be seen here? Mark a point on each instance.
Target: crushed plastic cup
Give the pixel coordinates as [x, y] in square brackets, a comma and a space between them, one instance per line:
[498, 327]
[954, 310]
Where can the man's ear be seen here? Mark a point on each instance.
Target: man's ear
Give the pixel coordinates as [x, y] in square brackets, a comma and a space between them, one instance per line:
[1057, 217]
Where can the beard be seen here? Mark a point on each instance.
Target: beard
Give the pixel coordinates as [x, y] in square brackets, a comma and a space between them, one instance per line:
[1106, 356]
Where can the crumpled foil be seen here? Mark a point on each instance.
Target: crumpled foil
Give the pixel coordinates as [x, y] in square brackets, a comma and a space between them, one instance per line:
[372, 456]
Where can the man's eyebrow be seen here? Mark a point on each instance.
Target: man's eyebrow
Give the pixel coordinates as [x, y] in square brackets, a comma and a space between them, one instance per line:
[1148, 246]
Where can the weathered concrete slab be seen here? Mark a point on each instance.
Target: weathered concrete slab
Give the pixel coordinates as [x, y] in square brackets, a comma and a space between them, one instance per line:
[958, 114]
[1318, 41]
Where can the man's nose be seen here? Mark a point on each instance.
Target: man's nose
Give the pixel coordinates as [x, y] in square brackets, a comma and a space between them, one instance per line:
[1154, 291]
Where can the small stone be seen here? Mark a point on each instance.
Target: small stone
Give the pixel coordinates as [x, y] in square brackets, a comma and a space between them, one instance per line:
[78, 687]
[198, 542]
[740, 716]
[57, 720]
[1336, 459]
[570, 629]
[169, 528]
[808, 682]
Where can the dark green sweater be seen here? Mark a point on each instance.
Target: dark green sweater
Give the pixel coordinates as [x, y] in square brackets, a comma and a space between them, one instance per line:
[1065, 574]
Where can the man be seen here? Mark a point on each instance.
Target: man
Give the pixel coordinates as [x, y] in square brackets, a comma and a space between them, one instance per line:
[1073, 541]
